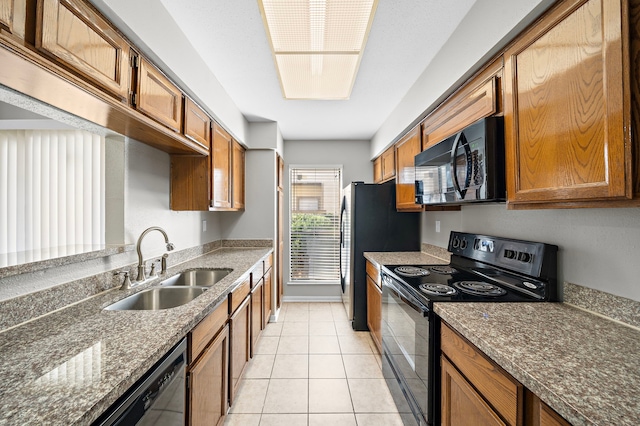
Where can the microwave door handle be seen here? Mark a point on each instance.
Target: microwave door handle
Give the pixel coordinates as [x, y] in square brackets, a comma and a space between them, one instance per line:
[460, 140]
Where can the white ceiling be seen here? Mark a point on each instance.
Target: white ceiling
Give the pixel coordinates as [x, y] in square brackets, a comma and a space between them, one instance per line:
[405, 36]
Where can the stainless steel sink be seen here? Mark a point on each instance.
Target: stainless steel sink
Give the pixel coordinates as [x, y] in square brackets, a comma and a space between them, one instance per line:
[197, 278]
[157, 298]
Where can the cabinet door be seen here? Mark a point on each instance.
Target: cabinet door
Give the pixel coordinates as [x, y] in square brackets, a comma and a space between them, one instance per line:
[197, 124]
[377, 170]
[157, 97]
[461, 404]
[566, 107]
[76, 35]
[189, 183]
[221, 168]
[374, 312]
[388, 164]
[208, 386]
[237, 181]
[540, 414]
[240, 340]
[406, 149]
[257, 296]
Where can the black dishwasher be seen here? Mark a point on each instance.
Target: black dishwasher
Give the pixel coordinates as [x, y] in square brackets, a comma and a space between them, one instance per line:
[157, 398]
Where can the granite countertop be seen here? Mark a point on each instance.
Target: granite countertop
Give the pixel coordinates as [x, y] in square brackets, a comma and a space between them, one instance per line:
[584, 366]
[403, 258]
[68, 367]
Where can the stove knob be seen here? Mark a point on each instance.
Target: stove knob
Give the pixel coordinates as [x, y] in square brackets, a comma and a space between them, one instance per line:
[455, 243]
[463, 244]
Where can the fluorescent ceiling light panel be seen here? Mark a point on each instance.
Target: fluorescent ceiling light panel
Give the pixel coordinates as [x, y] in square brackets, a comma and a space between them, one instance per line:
[317, 44]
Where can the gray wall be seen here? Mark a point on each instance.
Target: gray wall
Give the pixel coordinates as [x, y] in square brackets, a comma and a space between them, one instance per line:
[354, 158]
[599, 248]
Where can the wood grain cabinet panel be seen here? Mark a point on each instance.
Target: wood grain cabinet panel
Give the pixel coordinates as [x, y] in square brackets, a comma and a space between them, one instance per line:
[77, 36]
[257, 302]
[158, 97]
[462, 405]
[268, 295]
[377, 170]
[13, 19]
[540, 414]
[388, 164]
[221, 167]
[406, 149]
[237, 179]
[208, 384]
[240, 343]
[567, 113]
[374, 312]
[197, 124]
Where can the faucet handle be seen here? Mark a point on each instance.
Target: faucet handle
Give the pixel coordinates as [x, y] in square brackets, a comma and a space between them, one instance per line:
[127, 281]
[153, 272]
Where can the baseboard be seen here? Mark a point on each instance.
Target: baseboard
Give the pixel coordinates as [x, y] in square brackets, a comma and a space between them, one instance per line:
[312, 299]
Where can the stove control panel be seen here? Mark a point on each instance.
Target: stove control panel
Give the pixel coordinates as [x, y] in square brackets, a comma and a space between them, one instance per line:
[525, 257]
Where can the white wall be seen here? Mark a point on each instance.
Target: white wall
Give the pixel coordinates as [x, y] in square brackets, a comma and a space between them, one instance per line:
[354, 158]
[258, 219]
[486, 28]
[147, 173]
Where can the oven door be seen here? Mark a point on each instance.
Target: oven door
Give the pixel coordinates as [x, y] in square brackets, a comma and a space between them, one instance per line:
[408, 340]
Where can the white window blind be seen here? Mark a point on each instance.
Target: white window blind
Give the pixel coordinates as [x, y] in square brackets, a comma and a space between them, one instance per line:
[315, 224]
[52, 194]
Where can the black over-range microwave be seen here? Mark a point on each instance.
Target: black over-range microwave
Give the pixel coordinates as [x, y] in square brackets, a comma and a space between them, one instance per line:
[464, 168]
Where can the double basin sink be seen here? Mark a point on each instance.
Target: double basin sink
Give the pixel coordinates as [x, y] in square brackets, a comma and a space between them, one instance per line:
[172, 292]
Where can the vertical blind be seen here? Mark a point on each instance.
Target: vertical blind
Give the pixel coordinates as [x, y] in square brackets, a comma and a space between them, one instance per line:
[315, 224]
[52, 186]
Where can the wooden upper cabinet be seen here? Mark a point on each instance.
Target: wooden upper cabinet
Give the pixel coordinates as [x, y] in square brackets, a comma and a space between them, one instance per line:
[197, 124]
[567, 107]
[388, 159]
[406, 149]
[157, 97]
[13, 18]
[377, 170]
[77, 36]
[237, 180]
[221, 167]
[478, 98]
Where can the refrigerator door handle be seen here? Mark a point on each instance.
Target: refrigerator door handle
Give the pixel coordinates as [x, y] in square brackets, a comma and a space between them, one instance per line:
[342, 209]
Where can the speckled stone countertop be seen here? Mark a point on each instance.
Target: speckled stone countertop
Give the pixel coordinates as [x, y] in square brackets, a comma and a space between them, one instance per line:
[403, 258]
[585, 367]
[69, 366]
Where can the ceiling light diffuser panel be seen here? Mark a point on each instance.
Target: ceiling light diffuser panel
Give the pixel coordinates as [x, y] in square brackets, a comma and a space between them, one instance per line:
[317, 44]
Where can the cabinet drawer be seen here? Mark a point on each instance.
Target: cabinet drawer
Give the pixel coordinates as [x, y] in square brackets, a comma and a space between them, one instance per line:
[500, 390]
[374, 273]
[78, 37]
[238, 295]
[206, 330]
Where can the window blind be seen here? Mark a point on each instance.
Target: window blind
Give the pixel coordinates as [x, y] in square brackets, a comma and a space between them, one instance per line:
[315, 223]
[52, 193]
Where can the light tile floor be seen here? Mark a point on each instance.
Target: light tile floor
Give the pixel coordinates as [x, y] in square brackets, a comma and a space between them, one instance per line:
[311, 369]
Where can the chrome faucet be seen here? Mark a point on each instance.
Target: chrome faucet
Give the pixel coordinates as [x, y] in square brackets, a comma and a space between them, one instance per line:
[141, 262]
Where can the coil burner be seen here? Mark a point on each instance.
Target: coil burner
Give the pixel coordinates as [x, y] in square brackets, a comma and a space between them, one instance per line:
[443, 269]
[411, 271]
[438, 289]
[479, 288]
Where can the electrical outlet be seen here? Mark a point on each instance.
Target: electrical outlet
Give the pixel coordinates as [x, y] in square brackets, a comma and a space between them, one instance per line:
[437, 226]
[204, 226]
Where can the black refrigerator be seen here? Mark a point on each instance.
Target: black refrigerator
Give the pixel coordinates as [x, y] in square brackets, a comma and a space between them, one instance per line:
[369, 221]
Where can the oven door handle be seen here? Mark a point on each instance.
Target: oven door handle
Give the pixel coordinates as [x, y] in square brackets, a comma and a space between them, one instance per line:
[411, 301]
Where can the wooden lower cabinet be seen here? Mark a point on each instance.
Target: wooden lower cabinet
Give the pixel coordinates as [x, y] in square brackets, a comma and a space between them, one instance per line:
[239, 340]
[257, 300]
[540, 414]
[268, 295]
[374, 312]
[208, 383]
[462, 405]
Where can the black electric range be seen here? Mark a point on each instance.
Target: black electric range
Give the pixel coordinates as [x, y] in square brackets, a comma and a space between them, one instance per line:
[482, 269]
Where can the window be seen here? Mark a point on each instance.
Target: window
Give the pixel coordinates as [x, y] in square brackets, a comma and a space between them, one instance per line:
[52, 194]
[315, 224]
